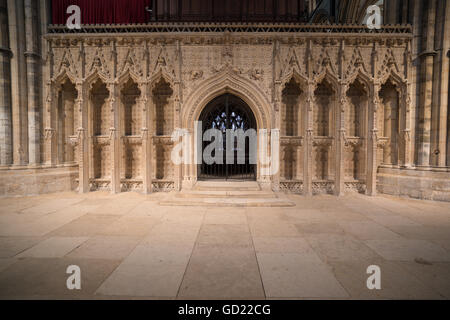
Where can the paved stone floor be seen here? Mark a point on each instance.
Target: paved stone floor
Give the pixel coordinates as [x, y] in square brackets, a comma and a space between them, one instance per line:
[127, 246]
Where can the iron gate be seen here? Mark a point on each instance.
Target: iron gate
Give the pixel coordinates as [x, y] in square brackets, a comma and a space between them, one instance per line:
[228, 112]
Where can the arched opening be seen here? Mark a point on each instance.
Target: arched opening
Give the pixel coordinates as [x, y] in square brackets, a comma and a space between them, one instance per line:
[163, 122]
[100, 114]
[356, 127]
[229, 140]
[389, 122]
[67, 121]
[131, 124]
[290, 111]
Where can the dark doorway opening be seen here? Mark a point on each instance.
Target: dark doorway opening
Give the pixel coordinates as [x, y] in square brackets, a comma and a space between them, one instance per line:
[229, 112]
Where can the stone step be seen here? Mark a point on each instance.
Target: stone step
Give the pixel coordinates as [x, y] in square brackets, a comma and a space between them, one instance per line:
[227, 186]
[224, 194]
[227, 202]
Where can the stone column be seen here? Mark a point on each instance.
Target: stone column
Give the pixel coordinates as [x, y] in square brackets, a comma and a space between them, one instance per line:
[308, 144]
[32, 61]
[406, 101]
[114, 136]
[372, 145]
[49, 130]
[5, 89]
[176, 122]
[444, 64]
[147, 133]
[426, 83]
[298, 157]
[83, 142]
[277, 113]
[46, 68]
[340, 141]
[18, 82]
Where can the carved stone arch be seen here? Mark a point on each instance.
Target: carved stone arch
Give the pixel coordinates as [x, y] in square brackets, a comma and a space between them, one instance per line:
[356, 64]
[128, 74]
[67, 65]
[324, 64]
[298, 77]
[329, 77]
[161, 74]
[399, 83]
[362, 77]
[164, 65]
[58, 80]
[93, 77]
[131, 65]
[291, 65]
[99, 65]
[227, 82]
[388, 67]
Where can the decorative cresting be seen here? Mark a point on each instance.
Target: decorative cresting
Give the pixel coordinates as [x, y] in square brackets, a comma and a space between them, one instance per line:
[206, 61]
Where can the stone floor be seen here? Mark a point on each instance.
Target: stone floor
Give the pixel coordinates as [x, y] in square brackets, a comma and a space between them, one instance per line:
[127, 246]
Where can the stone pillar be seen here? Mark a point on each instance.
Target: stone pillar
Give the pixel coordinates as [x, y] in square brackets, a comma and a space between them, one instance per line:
[406, 102]
[275, 155]
[275, 176]
[49, 131]
[147, 133]
[308, 144]
[445, 87]
[339, 187]
[442, 80]
[176, 122]
[298, 157]
[32, 61]
[114, 136]
[372, 145]
[391, 9]
[5, 89]
[83, 142]
[46, 69]
[426, 83]
[18, 82]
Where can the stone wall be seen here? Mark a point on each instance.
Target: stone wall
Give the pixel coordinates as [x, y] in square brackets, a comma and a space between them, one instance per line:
[26, 181]
[430, 184]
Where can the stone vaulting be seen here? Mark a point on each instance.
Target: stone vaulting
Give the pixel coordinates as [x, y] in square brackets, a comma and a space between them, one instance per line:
[96, 110]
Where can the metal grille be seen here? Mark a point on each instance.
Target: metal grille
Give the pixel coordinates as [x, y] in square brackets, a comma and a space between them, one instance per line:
[228, 112]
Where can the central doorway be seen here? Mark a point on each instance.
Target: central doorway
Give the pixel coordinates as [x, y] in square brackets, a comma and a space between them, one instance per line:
[228, 112]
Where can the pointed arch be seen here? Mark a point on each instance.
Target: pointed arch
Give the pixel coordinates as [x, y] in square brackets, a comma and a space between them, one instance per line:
[127, 75]
[394, 78]
[290, 65]
[389, 68]
[227, 82]
[298, 77]
[363, 78]
[161, 74]
[98, 65]
[67, 65]
[131, 65]
[62, 77]
[93, 77]
[326, 75]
